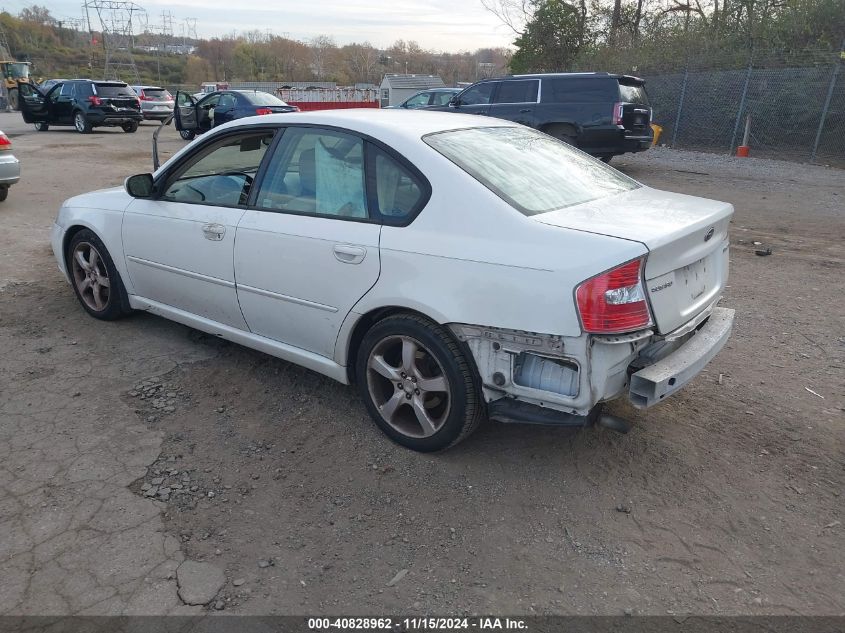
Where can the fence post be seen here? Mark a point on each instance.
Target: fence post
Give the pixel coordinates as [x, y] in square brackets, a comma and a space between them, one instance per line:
[680, 106]
[827, 103]
[742, 102]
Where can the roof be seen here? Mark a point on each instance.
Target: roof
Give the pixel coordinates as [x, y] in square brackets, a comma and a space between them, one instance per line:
[414, 82]
[384, 123]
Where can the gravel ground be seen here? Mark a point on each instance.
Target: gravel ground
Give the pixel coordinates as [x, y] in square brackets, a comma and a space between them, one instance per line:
[724, 500]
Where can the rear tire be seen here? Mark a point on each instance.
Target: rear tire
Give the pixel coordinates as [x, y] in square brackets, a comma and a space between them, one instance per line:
[81, 123]
[188, 135]
[417, 383]
[4, 193]
[42, 127]
[94, 278]
[131, 127]
[14, 99]
[606, 158]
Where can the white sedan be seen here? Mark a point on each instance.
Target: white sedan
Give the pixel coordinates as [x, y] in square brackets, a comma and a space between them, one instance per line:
[452, 267]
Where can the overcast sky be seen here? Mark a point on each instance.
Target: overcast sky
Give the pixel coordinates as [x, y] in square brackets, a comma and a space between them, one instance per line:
[448, 25]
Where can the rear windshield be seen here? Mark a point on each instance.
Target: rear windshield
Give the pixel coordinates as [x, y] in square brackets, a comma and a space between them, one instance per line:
[531, 171]
[160, 94]
[114, 90]
[632, 93]
[263, 99]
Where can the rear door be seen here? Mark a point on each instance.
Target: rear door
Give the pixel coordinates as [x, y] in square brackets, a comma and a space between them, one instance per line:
[62, 102]
[308, 248]
[185, 112]
[516, 100]
[33, 104]
[225, 110]
[635, 107]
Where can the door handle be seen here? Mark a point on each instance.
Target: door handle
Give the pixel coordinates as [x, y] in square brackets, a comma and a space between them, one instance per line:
[349, 254]
[214, 231]
[524, 110]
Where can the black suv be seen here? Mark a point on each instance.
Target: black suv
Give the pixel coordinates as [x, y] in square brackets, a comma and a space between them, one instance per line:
[82, 103]
[600, 113]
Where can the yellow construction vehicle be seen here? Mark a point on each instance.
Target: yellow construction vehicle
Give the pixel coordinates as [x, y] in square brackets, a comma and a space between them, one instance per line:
[14, 73]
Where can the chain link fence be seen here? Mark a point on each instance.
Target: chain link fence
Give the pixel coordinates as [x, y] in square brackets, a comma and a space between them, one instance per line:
[794, 110]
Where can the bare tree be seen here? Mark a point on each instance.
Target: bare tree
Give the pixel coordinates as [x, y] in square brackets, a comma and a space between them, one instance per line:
[512, 13]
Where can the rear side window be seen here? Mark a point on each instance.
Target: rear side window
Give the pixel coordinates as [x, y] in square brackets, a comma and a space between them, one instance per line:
[580, 90]
[114, 90]
[67, 90]
[517, 91]
[398, 192]
[262, 99]
[632, 93]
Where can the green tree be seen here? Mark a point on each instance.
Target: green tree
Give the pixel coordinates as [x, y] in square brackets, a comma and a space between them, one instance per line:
[552, 38]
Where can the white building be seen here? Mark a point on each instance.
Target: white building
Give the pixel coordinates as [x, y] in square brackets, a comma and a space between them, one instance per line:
[396, 88]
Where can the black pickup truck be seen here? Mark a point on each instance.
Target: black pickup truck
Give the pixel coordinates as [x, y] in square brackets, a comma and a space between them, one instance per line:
[601, 113]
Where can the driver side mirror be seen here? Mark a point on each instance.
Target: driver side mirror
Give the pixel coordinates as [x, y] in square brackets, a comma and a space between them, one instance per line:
[139, 185]
[454, 102]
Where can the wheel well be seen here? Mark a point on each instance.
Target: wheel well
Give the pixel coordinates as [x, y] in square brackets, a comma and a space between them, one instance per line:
[66, 241]
[364, 324]
[568, 128]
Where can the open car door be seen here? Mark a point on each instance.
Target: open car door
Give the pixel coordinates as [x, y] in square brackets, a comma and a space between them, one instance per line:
[33, 103]
[185, 112]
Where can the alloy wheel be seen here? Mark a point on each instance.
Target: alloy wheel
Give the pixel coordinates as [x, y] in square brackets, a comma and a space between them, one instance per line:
[91, 276]
[408, 386]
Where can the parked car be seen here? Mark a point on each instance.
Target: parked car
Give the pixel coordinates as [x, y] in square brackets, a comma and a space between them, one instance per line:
[426, 98]
[600, 113]
[156, 102]
[451, 267]
[82, 103]
[10, 168]
[45, 85]
[194, 116]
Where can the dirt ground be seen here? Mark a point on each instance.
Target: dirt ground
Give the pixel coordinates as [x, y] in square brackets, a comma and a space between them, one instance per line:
[726, 499]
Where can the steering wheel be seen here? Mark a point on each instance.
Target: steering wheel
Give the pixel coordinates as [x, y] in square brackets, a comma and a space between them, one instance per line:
[220, 187]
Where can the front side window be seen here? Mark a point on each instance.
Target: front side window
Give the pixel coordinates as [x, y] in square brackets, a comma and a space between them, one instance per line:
[524, 91]
[222, 174]
[316, 172]
[398, 192]
[478, 95]
[531, 171]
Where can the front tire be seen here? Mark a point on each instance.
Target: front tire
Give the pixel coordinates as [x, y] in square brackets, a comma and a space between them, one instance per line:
[4, 193]
[42, 127]
[606, 158]
[417, 383]
[131, 127]
[81, 123]
[95, 279]
[188, 135]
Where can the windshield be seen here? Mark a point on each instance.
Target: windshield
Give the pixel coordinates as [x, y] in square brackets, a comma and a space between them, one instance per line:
[531, 171]
[115, 90]
[157, 94]
[18, 70]
[263, 99]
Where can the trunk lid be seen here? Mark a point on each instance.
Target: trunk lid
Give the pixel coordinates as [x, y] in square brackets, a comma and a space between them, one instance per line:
[687, 238]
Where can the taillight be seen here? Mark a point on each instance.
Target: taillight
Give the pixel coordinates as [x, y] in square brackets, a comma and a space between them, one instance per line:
[263, 111]
[95, 100]
[618, 112]
[614, 301]
[5, 143]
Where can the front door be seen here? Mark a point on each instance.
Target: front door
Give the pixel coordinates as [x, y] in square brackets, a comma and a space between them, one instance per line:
[185, 112]
[476, 99]
[310, 249]
[516, 100]
[33, 104]
[179, 246]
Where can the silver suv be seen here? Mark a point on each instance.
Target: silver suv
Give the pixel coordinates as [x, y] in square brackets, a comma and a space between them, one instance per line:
[156, 102]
